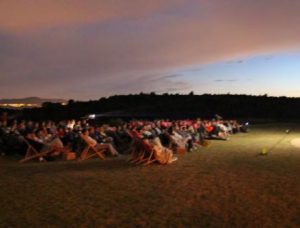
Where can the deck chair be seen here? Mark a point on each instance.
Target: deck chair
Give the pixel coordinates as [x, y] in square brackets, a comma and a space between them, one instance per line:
[145, 153]
[132, 143]
[163, 155]
[91, 151]
[138, 152]
[33, 153]
[135, 148]
[149, 157]
[178, 149]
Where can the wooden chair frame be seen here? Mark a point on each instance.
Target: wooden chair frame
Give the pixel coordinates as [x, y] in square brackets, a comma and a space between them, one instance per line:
[90, 151]
[144, 155]
[32, 153]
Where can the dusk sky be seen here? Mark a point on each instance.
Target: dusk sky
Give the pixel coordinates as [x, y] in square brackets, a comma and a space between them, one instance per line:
[87, 49]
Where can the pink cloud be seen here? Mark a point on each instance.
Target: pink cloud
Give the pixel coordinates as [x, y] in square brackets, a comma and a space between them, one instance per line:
[16, 15]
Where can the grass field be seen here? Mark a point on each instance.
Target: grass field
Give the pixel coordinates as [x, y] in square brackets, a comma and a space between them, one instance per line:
[224, 185]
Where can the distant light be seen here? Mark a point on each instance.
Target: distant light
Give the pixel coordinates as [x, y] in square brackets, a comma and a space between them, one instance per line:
[19, 105]
[92, 116]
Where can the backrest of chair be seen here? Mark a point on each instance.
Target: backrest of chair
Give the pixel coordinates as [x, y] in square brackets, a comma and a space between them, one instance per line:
[84, 140]
[31, 144]
[129, 133]
[25, 140]
[136, 135]
[171, 141]
[147, 146]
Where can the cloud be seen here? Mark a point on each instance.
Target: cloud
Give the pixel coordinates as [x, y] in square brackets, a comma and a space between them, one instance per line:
[169, 76]
[87, 49]
[20, 15]
[192, 70]
[225, 80]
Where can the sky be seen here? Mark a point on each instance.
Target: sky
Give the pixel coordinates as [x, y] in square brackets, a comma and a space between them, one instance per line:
[87, 49]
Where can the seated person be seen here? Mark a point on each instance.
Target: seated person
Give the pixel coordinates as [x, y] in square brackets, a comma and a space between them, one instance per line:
[214, 131]
[103, 137]
[162, 154]
[92, 142]
[49, 140]
[53, 144]
[69, 139]
[178, 143]
[187, 136]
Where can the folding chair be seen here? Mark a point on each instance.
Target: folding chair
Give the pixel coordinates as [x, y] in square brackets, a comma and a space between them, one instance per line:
[163, 155]
[148, 157]
[144, 153]
[138, 151]
[135, 148]
[177, 148]
[32, 153]
[91, 151]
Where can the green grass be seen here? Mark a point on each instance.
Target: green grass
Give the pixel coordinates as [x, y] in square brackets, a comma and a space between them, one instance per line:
[224, 185]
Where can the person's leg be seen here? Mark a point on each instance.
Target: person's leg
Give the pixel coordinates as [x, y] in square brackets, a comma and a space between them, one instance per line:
[189, 145]
[109, 147]
[112, 150]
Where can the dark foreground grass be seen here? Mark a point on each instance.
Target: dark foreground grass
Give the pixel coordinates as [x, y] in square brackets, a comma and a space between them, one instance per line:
[224, 185]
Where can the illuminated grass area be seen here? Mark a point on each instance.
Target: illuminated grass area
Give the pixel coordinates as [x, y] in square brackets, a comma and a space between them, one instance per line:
[224, 185]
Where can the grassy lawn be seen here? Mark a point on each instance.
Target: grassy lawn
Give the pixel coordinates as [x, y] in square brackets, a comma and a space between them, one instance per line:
[224, 185]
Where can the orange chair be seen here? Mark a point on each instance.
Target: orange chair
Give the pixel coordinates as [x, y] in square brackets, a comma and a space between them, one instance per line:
[33, 153]
[91, 151]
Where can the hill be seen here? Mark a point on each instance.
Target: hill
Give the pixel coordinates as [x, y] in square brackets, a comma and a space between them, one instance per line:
[27, 102]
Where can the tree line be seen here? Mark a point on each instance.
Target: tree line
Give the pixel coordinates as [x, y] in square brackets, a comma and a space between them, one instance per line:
[171, 106]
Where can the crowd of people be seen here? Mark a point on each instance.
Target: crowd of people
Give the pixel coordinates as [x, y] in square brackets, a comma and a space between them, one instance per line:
[167, 136]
